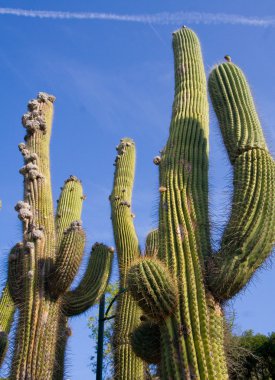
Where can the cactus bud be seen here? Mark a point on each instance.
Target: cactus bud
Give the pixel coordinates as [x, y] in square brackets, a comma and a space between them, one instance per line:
[157, 160]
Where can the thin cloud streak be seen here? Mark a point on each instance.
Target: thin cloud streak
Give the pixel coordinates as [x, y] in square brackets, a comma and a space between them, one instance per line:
[164, 18]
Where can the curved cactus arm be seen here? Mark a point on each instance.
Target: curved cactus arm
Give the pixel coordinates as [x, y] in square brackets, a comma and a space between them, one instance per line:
[7, 309]
[122, 217]
[69, 207]
[248, 237]
[68, 260]
[127, 364]
[152, 243]
[93, 283]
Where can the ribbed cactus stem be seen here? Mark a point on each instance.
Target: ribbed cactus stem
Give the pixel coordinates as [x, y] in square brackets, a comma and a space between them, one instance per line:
[145, 341]
[216, 323]
[152, 243]
[153, 287]
[248, 237]
[93, 282]
[36, 171]
[7, 309]
[127, 364]
[235, 109]
[64, 333]
[184, 226]
[15, 273]
[68, 260]
[69, 206]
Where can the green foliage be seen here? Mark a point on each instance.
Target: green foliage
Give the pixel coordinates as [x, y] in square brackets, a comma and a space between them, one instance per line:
[252, 356]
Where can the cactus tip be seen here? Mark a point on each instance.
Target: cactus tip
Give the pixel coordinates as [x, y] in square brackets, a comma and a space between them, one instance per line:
[227, 58]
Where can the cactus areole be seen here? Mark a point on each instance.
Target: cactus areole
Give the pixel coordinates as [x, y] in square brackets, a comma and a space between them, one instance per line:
[182, 286]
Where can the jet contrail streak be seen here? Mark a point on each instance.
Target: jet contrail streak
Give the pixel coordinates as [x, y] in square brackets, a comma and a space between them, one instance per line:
[164, 18]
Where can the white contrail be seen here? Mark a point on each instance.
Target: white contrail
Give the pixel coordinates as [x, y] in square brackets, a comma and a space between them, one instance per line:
[177, 18]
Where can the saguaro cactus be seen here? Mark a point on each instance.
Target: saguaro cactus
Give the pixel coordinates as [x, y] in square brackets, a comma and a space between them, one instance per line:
[182, 289]
[43, 266]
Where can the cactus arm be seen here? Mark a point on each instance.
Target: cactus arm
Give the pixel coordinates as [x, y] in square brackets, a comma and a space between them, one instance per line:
[248, 237]
[154, 289]
[7, 309]
[15, 273]
[93, 283]
[145, 341]
[152, 243]
[69, 207]
[68, 260]
[70, 237]
[127, 364]
[121, 197]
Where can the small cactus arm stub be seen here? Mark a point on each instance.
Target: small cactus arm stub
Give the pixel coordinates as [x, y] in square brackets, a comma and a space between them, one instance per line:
[43, 266]
[183, 286]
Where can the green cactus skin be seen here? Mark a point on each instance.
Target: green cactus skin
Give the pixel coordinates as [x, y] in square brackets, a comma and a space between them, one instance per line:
[127, 364]
[43, 266]
[98, 272]
[184, 225]
[192, 337]
[145, 341]
[153, 287]
[64, 332]
[152, 243]
[248, 237]
[7, 310]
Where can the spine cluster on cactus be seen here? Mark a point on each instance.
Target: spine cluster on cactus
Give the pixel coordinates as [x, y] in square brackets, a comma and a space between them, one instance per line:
[43, 266]
[181, 283]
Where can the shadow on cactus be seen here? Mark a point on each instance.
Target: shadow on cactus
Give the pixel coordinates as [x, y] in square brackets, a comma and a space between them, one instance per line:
[184, 284]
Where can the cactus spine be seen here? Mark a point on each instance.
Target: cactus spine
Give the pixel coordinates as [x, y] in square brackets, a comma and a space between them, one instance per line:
[44, 265]
[191, 326]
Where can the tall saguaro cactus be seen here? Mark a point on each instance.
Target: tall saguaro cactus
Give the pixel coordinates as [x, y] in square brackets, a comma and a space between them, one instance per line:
[182, 288]
[43, 266]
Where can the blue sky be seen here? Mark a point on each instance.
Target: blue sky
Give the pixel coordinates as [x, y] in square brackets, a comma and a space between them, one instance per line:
[114, 79]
